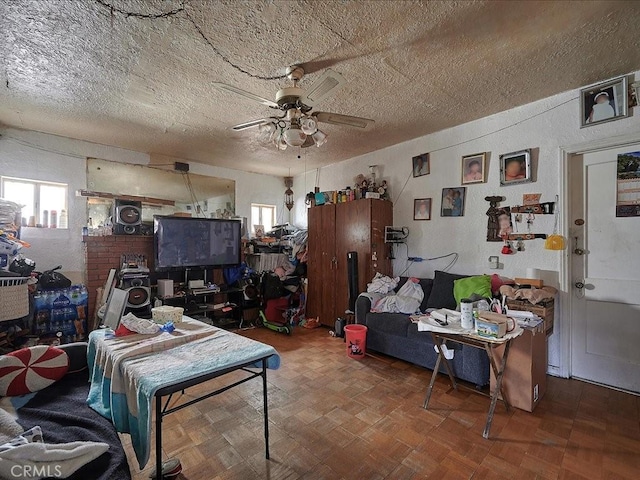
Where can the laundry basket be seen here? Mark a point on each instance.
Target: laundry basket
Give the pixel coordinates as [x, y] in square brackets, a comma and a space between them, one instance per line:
[14, 298]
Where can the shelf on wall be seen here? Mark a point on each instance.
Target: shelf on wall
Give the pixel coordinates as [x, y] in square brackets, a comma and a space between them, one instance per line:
[133, 198]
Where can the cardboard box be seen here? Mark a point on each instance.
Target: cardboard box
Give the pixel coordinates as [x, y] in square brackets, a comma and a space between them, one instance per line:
[524, 381]
[492, 325]
[544, 310]
[534, 282]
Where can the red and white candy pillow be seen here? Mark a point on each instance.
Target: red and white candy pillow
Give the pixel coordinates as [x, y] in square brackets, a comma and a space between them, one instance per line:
[31, 369]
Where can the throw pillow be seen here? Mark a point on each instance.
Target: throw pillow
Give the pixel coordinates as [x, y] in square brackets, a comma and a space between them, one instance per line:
[467, 287]
[442, 291]
[31, 369]
[497, 281]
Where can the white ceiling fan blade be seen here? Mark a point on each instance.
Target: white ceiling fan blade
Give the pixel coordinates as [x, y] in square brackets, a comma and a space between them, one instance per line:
[251, 124]
[327, 85]
[244, 93]
[337, 119]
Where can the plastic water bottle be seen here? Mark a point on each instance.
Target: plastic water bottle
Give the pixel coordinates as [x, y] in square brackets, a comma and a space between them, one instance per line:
[63, 222]
[53, 223]
[466, 311]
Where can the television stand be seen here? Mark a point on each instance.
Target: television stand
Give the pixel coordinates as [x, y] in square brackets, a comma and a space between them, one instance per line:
[216, 306]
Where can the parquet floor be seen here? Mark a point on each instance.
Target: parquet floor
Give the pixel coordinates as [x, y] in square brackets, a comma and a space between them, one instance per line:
[332, 417]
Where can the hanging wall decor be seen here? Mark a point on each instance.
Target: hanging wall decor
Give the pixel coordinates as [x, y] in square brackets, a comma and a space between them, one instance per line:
[420, 164]
[453, 202]
[604, 102]
[628, 185]
[422, 209]
[492, 218]
[515, 168]
[473, 168]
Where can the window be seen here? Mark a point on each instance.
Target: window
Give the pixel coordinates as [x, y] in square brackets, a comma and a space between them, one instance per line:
[36, 197]
[262, 215]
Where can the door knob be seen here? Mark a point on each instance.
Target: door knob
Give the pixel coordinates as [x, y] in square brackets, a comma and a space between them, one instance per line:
[579, 285]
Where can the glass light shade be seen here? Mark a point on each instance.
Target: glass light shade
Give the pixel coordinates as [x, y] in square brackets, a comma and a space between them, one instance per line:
[294, 136]
[308, 125]
[320, 138]
[266, 132]
[280, 143]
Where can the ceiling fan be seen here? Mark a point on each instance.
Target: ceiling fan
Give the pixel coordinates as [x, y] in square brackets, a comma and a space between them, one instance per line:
[297, 126]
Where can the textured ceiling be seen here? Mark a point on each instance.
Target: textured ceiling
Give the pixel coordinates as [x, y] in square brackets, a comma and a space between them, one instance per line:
[137, 73]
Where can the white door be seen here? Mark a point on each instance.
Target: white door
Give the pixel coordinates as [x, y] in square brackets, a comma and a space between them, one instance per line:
[605, 314]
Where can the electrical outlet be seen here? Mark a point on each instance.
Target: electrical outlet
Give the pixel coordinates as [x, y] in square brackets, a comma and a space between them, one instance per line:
[535, 393]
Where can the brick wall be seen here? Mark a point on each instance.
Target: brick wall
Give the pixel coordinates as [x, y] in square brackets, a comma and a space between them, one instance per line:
[103, 254]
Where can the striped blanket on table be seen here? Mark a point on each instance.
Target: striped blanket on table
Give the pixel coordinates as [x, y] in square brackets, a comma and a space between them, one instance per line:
[127, 371]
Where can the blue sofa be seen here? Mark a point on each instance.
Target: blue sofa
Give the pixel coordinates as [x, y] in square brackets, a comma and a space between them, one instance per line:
[395, 335]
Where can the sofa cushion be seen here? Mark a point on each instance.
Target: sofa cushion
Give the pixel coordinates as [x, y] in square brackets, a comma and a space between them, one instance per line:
[442, 291]
[479, 285]
[31, 369]
[389, 323]
[425, 283]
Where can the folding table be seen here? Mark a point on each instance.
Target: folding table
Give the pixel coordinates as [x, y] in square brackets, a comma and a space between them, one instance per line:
[442, 334]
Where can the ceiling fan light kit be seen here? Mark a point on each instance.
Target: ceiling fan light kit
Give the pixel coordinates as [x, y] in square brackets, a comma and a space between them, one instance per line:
[298, 127]
[293, 136]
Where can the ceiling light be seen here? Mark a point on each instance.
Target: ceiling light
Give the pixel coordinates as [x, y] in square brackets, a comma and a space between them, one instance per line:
[294, 136]
[320, 138]
[266, 133]
[280, 143]
[308, 125]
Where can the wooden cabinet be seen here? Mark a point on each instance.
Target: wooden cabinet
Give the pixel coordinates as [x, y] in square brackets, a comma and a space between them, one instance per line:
[335, 230]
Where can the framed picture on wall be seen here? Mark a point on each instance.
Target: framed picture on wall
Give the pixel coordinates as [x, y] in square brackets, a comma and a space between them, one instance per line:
[604, 102]
[453, 202]
[515, 168]
[473, 168]
[422, 209]
[420, 164]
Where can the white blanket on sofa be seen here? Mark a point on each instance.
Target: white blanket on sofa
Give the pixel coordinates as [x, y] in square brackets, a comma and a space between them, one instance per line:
[27, 456]
[407, 300]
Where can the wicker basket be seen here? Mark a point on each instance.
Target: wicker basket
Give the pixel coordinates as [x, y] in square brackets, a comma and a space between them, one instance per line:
[14, 298]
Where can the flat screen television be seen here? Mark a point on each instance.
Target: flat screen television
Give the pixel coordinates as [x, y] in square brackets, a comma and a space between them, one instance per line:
[184, 242]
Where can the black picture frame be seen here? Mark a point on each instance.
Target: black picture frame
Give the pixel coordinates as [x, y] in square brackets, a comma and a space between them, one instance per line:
[420, 213]
[613, 104]
[452, 203]
[420, 165]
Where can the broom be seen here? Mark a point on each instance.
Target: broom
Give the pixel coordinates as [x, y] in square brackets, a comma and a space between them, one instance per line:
[555, 241]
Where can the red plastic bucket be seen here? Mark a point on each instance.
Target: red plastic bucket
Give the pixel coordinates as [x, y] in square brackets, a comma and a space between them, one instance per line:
[356, 338]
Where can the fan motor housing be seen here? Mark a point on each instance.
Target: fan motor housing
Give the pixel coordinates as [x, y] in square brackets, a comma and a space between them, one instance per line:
[288, 95]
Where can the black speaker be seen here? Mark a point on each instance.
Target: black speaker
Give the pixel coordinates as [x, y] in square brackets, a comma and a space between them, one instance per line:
[129, 281]
[138, 297]
[352, 275]
[127, 217]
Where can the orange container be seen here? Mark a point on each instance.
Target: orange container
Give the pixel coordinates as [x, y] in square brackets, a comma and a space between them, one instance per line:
[356, 339]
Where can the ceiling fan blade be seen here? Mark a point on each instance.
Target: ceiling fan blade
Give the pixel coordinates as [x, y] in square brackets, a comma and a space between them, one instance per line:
[244, 93]
[251, 124]
[327, 85]
[337, 119]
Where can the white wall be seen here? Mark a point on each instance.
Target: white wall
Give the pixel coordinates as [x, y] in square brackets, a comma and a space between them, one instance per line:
[537, 125]
[39, 156]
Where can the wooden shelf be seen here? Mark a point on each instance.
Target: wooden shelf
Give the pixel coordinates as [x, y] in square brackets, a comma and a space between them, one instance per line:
[132, 198]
